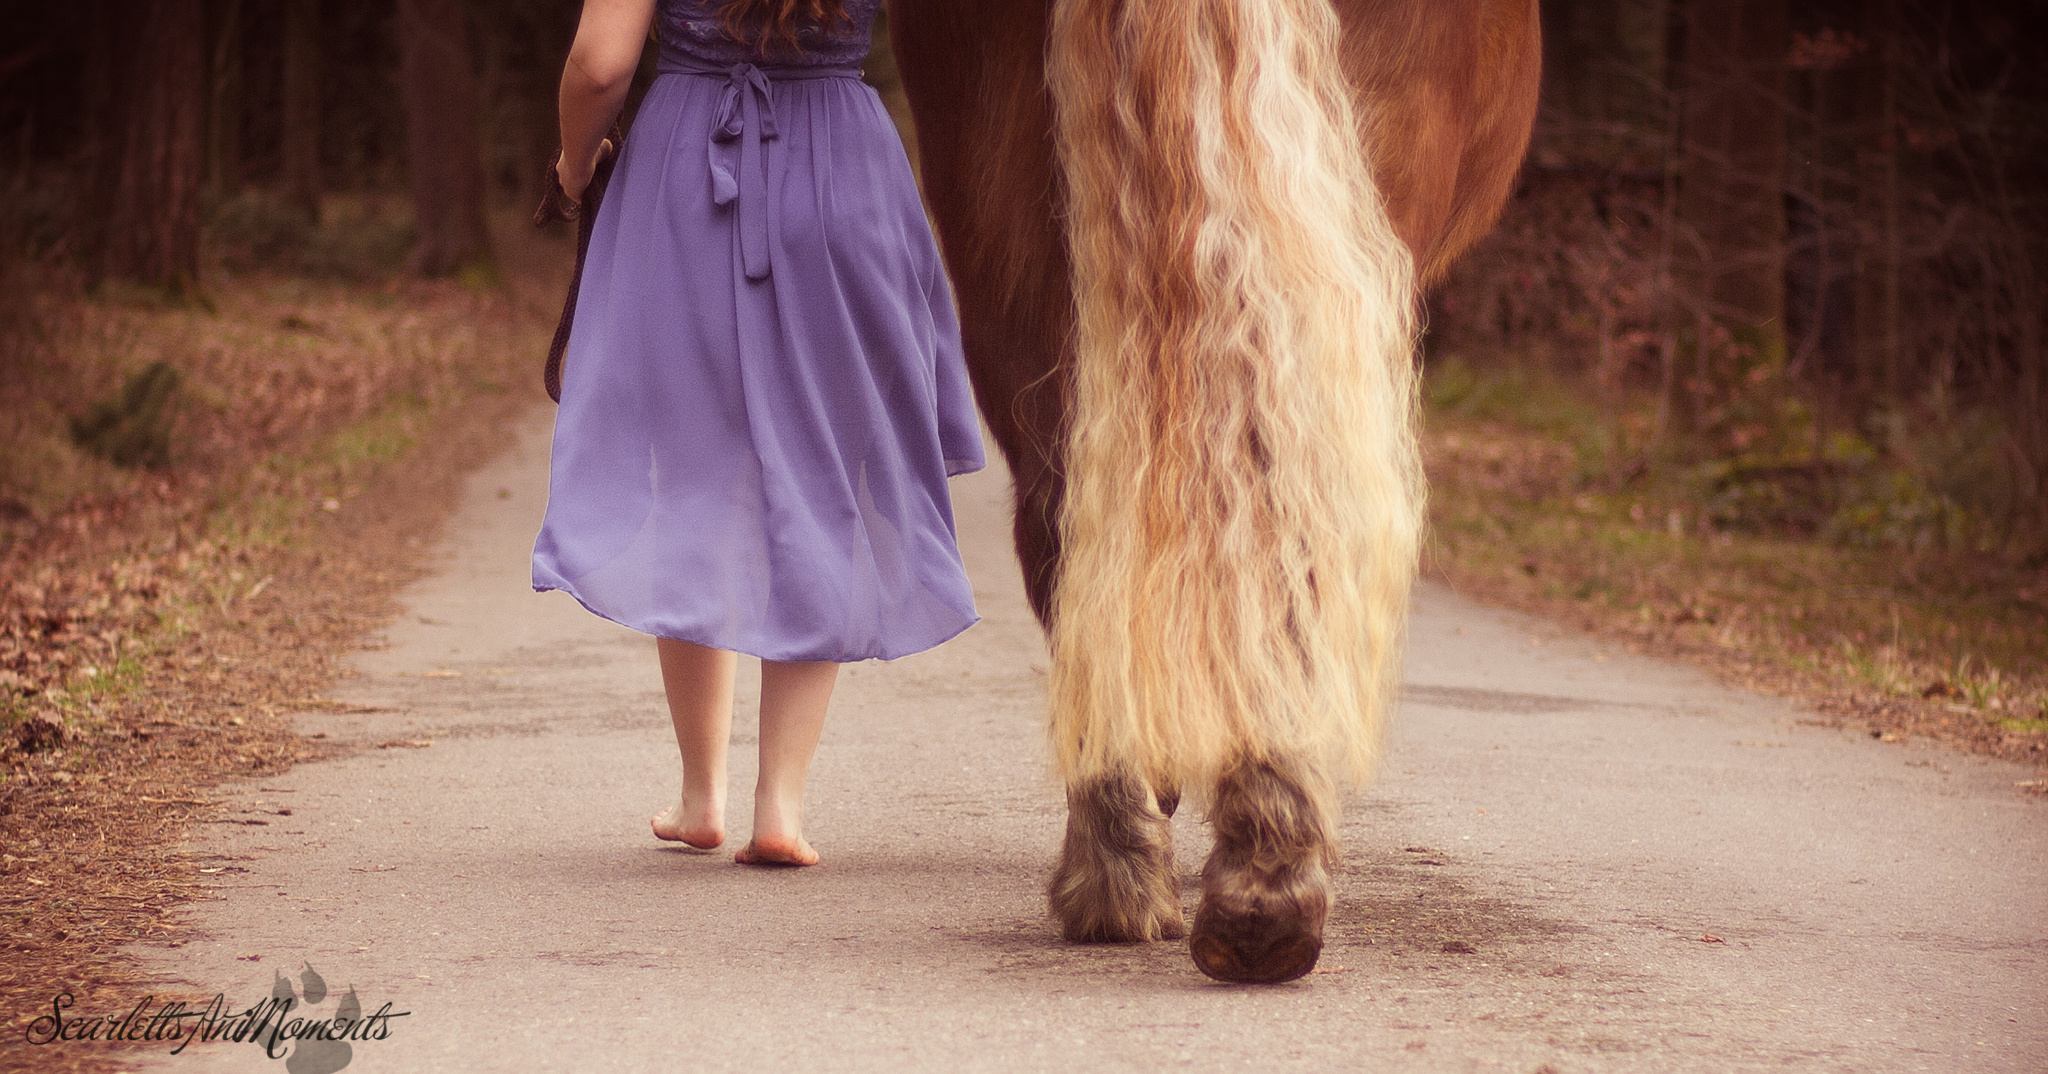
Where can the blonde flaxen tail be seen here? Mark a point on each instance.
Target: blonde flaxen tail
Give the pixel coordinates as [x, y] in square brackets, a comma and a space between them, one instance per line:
[1243, 500]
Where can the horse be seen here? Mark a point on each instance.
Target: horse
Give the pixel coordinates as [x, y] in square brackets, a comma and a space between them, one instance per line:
[1187, 240]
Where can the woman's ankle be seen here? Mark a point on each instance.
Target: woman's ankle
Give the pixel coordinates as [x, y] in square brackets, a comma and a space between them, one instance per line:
[778, 812]
[701, 825]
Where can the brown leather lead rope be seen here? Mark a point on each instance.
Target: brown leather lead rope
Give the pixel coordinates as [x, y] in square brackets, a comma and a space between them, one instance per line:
[555, 205]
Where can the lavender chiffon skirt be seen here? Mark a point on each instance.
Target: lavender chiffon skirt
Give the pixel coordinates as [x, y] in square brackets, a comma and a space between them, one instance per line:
[760, 464]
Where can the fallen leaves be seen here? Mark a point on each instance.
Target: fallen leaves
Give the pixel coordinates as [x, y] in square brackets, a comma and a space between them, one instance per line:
[156, 625]
[329, 705]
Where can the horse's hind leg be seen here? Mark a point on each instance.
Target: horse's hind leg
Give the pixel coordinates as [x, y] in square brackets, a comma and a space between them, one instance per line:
[1115, 882]
[1266, 886]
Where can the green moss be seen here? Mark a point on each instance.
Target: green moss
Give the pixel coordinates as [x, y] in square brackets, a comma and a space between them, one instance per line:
[380, 438]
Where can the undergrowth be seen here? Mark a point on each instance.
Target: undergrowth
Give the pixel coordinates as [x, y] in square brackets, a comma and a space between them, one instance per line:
[1551, 495]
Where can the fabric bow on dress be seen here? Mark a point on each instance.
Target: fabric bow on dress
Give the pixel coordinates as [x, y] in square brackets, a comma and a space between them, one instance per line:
[745, 119]
[742, 124]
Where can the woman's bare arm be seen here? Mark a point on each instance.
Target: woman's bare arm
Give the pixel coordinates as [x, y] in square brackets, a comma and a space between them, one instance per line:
[594, 82]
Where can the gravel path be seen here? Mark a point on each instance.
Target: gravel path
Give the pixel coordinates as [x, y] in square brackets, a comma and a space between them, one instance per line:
[1574, 860]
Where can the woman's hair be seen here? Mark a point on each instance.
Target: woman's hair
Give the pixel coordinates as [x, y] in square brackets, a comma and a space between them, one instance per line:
[766, 23]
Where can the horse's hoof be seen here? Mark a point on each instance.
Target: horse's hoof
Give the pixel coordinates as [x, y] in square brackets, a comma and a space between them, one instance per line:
[1255, 948]
[1115, 882]
[1266, 885]
[1133, 916]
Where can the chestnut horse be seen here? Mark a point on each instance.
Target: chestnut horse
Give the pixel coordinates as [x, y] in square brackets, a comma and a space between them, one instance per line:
[1187, 239]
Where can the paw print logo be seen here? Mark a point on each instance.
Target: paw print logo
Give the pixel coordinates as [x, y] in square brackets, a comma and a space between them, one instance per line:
[311, 1054]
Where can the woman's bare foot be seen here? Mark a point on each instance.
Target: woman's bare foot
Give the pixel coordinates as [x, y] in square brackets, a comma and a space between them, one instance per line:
[697, 828]
[793, 700]
[776, 850]
[698, 682]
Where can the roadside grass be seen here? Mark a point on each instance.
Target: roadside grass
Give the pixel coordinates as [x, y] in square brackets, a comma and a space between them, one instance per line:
[157, 626]
[1545, 498]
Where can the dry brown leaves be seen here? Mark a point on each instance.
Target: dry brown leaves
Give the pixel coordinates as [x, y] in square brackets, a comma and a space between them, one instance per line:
[156, 629]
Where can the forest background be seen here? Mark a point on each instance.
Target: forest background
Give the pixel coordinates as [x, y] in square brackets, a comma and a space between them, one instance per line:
[1752, 374]
[1752, 370]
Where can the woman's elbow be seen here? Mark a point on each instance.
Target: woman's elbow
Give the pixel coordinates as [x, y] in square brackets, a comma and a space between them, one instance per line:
[600, 75]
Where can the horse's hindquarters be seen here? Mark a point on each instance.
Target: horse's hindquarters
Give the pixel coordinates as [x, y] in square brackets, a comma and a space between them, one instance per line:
[1191, 336]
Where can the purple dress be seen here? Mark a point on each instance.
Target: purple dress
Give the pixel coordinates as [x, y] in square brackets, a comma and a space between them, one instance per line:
[764, 392]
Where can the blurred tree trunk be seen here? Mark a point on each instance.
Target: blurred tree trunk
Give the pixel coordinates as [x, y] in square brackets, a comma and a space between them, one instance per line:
[300, 142]
[1733, 160]
[224, 101]
[1877, 168]
[441, 137]
[524, 47]
[1729, 210]
[1583, 93]
[1825, 113]
[154, 149]
[95, 121]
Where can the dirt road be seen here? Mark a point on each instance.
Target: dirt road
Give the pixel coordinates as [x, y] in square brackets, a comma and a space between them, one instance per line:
[1574, 860]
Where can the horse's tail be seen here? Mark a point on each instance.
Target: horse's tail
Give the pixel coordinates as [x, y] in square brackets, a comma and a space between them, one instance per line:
[1243, 501]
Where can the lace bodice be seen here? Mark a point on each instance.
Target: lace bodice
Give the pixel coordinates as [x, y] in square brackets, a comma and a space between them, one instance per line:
[693, 26]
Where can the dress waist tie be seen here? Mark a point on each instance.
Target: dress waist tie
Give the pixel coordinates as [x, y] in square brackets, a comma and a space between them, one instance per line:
[743, 121]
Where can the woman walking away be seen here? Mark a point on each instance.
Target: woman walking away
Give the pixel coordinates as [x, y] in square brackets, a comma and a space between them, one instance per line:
[764, 392]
